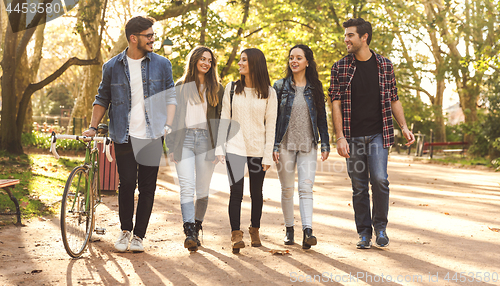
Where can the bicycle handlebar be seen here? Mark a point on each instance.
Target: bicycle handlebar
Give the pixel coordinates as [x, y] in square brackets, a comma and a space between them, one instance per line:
[105, 140]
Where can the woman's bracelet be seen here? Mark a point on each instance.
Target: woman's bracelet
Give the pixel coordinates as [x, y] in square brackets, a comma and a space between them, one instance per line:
[340, 138]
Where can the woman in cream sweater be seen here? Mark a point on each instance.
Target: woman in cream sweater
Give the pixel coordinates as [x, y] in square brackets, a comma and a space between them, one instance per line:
[250, 103]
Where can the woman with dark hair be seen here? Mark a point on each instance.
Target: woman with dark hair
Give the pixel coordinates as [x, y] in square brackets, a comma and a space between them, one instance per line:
[301, 113]
[192, 144]
[251, 102]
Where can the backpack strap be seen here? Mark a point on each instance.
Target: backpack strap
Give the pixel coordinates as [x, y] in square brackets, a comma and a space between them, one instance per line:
[231, 94]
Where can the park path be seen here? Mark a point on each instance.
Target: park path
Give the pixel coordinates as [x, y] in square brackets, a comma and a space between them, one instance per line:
[441, 224]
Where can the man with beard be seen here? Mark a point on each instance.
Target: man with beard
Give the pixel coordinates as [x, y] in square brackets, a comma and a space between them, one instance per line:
[138, 88]
[364, 99]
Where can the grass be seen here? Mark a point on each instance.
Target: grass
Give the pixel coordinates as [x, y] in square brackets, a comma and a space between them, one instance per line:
[42, 180]
[465, 161]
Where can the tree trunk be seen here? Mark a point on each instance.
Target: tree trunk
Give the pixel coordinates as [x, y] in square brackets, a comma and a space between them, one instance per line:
[236, 44]
[203, 17]
[9, 96]
[33, 72]
[440, 131]
[89, 12]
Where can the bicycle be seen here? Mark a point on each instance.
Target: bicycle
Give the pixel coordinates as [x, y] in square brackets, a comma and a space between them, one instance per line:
[81, 193]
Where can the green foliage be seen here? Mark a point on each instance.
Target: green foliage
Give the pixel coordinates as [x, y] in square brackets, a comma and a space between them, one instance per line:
[42, 141]
[185, 30]
[486, 130]
[464, 161]
[60, 97]
[417, 113]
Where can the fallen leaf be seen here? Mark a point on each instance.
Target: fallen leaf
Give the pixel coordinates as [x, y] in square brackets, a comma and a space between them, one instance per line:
[494, 229]
[279, 251]
[423, 205]
[446, 213]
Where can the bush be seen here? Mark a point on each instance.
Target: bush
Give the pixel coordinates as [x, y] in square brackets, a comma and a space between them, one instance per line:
[42, 141]
[486, 131]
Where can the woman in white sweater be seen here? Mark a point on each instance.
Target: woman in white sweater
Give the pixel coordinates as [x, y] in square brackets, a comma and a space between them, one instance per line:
[251, 102]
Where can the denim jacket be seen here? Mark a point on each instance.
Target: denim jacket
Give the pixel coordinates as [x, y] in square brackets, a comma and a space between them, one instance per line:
[115, 94]
[286, 94]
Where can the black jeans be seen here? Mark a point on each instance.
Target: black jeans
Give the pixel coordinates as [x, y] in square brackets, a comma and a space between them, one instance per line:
[131, 173]
[236, 174]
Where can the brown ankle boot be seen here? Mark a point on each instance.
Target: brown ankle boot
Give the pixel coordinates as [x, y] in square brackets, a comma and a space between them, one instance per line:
[254, 236]
[237, 240]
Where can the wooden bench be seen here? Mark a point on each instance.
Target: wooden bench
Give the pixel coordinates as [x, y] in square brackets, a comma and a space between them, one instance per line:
[432, 144]
[6, 185]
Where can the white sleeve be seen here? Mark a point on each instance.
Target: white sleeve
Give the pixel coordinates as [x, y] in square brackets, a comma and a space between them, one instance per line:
[270, 126]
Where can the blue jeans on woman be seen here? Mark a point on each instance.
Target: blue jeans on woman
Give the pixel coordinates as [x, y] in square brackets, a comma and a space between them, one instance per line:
[368, 164]
[195, 174]
[306, 171]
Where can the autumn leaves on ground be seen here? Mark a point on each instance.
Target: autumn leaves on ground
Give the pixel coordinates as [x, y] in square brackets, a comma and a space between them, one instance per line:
[443, 226]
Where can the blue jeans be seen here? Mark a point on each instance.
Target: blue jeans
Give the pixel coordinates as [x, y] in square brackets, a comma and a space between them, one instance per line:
[195, 174]
[306, 171]
[368, 163]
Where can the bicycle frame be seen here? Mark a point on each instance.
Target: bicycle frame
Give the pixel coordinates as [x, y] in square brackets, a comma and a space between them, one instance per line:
[91, 160]
[83, 209]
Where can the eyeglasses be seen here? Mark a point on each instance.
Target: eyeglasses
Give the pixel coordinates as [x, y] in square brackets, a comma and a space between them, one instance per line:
[148, 36]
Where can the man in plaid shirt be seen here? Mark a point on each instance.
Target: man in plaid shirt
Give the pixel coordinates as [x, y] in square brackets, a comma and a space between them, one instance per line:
[364, 99]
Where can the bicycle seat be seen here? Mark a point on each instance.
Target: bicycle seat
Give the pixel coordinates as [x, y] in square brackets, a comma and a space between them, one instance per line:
[102, 129]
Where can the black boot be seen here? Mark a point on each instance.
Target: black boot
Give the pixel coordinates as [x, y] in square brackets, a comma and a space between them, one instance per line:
[197, 229]
[190, 242]
[289, 236]
[308, 239]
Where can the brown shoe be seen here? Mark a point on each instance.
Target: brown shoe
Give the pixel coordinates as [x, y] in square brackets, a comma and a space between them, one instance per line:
[237, 240]
[254, 236]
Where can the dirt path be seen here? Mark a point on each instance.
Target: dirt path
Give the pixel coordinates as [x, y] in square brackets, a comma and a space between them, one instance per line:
[439, 224]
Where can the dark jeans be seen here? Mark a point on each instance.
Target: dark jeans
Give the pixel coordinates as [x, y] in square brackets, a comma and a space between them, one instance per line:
[236, 174]
[131, 173]
[368, 164]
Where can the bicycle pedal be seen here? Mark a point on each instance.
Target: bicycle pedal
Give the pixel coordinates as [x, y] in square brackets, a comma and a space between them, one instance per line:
[100, 230]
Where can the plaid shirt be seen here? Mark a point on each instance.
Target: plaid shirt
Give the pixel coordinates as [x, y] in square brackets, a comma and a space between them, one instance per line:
[340, 89]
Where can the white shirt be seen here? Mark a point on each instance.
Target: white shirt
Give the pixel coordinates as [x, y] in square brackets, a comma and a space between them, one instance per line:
[196, 111]
[137, 126]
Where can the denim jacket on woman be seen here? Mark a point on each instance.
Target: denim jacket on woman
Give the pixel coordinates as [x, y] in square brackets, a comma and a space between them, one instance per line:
[286, 94]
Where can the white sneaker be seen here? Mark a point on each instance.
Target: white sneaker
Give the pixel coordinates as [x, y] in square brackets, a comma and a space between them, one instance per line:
[122, 243]
[136, 244]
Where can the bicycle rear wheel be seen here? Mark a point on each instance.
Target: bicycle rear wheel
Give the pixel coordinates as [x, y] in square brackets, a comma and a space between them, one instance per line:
[77, 213]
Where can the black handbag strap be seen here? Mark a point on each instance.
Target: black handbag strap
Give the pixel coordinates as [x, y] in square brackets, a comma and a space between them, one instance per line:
[231, 94]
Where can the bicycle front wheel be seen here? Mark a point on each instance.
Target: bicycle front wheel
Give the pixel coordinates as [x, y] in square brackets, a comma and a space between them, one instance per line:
[77, 212]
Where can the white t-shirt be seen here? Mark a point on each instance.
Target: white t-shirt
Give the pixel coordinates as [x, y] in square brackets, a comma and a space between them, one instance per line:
[196, 111]
[137, 127]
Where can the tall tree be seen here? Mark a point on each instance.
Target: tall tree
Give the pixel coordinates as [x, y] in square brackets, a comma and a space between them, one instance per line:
[16, 87]
[91, 14]
[413, 32]
[475, 27]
